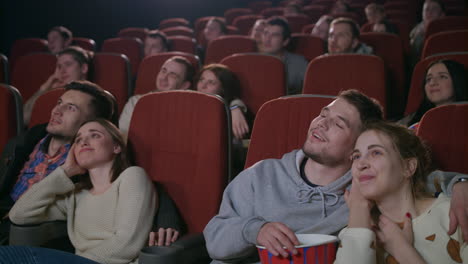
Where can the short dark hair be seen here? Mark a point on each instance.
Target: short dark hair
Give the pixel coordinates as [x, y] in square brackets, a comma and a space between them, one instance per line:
[79, 54]
[369, 108]
[281, 22]
[230, 85]
[221, 22]
[189, 69]
[103, 103]
[352, 24]
[161, 35]
[440, 3]
[64, 32]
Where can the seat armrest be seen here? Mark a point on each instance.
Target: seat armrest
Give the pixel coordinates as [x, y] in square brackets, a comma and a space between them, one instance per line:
[37, 235]
[188, 249]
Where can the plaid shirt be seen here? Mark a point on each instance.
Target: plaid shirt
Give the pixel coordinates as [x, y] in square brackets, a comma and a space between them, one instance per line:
[39, 165]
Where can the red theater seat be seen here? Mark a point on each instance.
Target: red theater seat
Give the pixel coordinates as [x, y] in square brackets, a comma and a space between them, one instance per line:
[179, 31]
[85, 43]
[446, 23]
[173, 22]
[307, 45]
[297, 22]
[272, 11]
[330, 74]
[314, 12]
[281, 126]
[11, 113]
[227, 45]
[133, 32]
[26, 46]
[232, 13]
[258, 6]
[130, 47]
[43, 106]
[183, 44]
[245, 23]
[447, 41]
[4, 69]
[262, 78]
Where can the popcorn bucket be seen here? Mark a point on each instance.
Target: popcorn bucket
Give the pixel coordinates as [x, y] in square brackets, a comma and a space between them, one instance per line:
[313, 249]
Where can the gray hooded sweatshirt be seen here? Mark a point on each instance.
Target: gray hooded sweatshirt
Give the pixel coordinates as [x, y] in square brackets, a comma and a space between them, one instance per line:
[273, 191]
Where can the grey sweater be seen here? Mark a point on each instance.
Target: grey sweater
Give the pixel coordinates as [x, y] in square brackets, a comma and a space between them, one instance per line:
[273, 191]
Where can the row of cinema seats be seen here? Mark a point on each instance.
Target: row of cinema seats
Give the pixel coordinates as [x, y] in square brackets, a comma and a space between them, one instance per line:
[197, 186]
[326, 75]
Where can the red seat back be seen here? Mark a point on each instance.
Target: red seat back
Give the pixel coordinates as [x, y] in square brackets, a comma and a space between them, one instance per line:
[281, 126]
[445, 130]
[258, 6]
[133, 32]
[258, 86]
[245, 23]
[173, 22]
[314, 12]
[183, 44]
[416, 94]
[445, 24]
[85, 43]
[272, 11]
[43, 106]
[26, 46]
[112, 73]
[130, 47]
[447, 41]
[179, 31]
[4, 69]
[297, 22]
[307, 45]
[227, 45]
[193, 167]
[232, 13]
[330, 74]
[151, 65]
[11, 113]
[31, 71]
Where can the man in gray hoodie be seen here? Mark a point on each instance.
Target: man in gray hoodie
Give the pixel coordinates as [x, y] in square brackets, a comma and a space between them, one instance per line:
[303, 192]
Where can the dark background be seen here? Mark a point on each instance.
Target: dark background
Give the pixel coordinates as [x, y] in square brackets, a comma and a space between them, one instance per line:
[97, 19]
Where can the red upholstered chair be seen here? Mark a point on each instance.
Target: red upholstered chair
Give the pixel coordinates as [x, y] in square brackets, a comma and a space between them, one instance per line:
[415, 94]
[297, 22]
[179, 31]
[11, 113]
[232, 30]
[389, 47]
[445, 130]
[231, 13]
[262, 78]
[227, 45]
[307, 29]
[130, 47]
[258, 6]
[43, 106]
[31, 71]
[330, 74]
[403, 31]
[245, 23]
[272, 11]
[25, 46]
[133, 32]
[85, 43]
[281, 126]
[447, 23]
[183, 44]
[173, 22]
[4, 69]
[314, 12]
[307, 45]
[112, 73]
[150, 66]
[192, 167]
[404, 16]
[446, 41]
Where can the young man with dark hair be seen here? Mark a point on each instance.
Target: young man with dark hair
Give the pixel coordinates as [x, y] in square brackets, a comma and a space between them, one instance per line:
[303, 192]
[343, 37]
[156, 42]
[58, 39]
[276, 37]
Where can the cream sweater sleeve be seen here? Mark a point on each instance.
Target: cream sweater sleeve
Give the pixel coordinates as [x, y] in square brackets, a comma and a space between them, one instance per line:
[44, 201]
[357, 246]
[134, 214]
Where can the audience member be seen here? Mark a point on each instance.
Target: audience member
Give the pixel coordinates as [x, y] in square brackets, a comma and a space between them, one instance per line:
[275, 39]
[257, 33]
[155, 42]
[215, 28]
[107, 210]
[388, 204]
[445, 83]
[58, 39]
[302, 192]
[432, 9]
[344, 38]
[375, 14]
[73, 64]
[340, 7]
[322, 27]
[175, 74]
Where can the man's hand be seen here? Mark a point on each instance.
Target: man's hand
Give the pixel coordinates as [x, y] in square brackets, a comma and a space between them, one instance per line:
[164, 237]
[459, 209]
[274, 236]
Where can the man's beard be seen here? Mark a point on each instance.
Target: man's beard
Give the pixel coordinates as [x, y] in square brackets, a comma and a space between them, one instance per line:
[320, 158]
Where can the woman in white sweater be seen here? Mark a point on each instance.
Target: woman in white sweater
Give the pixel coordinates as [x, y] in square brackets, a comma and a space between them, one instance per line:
[392, 219]
[109, 210]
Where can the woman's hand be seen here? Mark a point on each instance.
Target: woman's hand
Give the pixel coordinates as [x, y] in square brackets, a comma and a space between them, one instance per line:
[164, 237]
[359, 207]
[71, 166]
[239, 125]
[52, 83]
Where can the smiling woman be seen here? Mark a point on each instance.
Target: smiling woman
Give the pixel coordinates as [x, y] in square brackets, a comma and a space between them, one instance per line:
[109, 210]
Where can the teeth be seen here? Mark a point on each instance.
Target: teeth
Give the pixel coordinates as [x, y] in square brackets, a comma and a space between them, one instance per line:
[317, 136]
